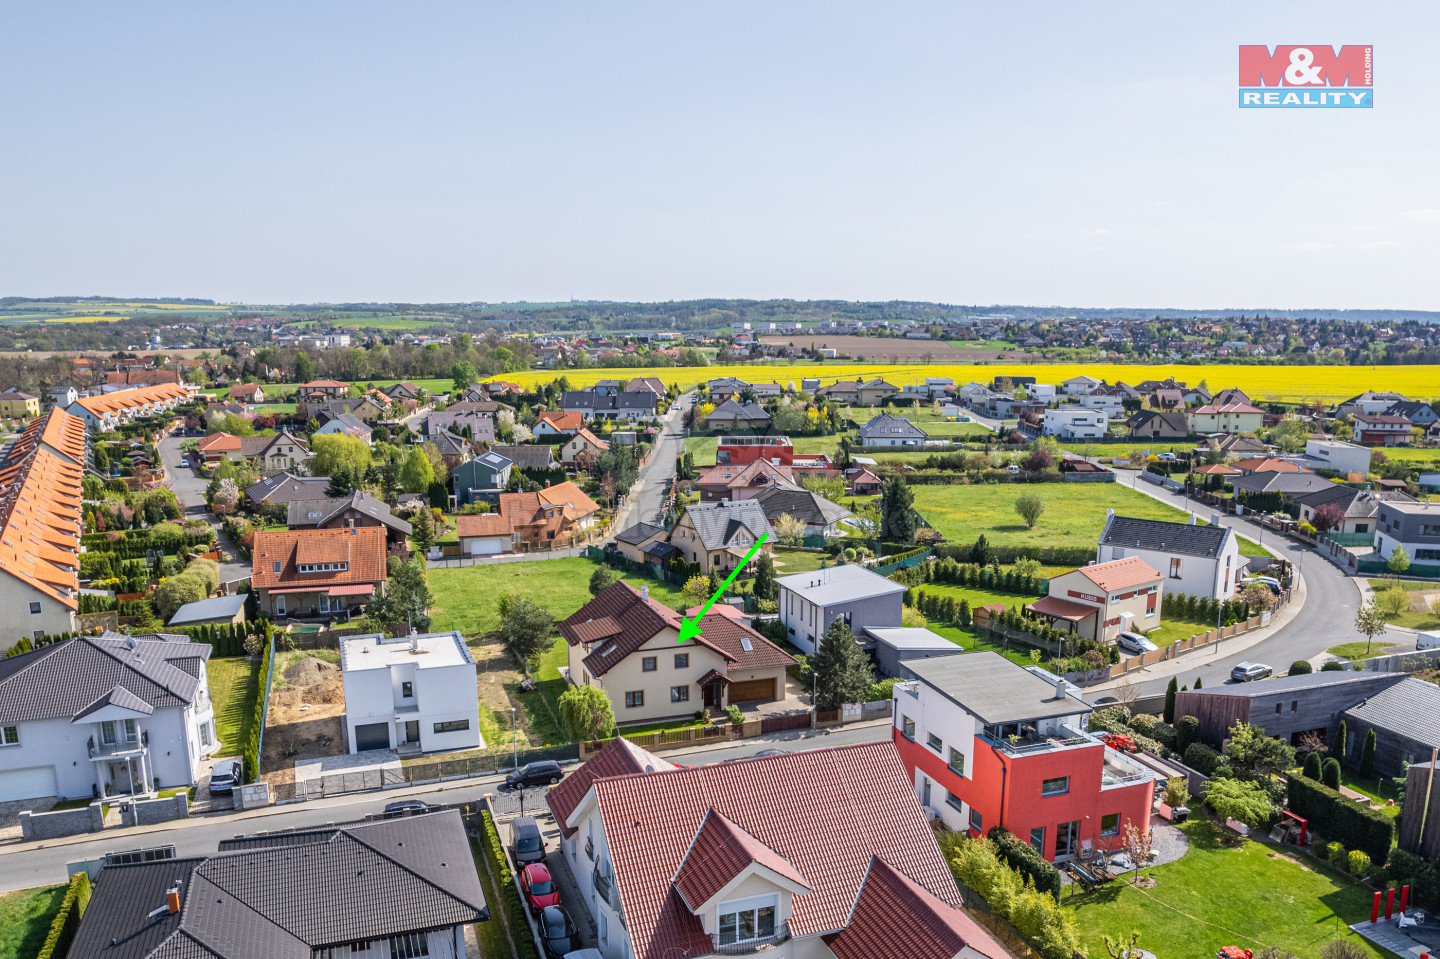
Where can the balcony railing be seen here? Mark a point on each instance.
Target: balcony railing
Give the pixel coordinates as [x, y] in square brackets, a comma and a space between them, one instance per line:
[607, 893]
[1031, 741]
[782, 934]
[123, 748]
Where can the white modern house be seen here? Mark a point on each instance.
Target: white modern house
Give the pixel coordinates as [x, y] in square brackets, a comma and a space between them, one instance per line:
[1195, 560]
[411, 693]
[810, 602]
[1342, 457]
[1107, 403]
[1076, 423]
[1415, 527]
[105, 715]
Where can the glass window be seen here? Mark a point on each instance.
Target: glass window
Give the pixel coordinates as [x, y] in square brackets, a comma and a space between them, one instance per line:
[277, 567]
[907, 727]
[750, 921]
[452, 726]
[647, 664]
[682, 660]
[409, 945]
[634, 699]
[1037, 839]
[107, 732]
[957, 761]
[1110, 825]
[407, 689]
[10, 736]
[679, 694]
[954, 802]
[933, 741]
[976, 823]
[34, 607]
[1055, 787]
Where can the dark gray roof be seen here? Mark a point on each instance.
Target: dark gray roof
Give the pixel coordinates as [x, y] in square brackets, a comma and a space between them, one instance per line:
[1136, 533]
[883, 424]
[639, 533]
[993, 689]
[288, 488]
[587, 400]
[1173, 419]
[1290, 684]
[67, 678]
[316, 512]
[117, 696]
[350, 422]
[1292, 483]
[218, 607]
[282, 896]
[811, 508]
[448, 443]
[1410, 708]
[731, 410]
[717, 523]
[1337, 493]
[528, 457]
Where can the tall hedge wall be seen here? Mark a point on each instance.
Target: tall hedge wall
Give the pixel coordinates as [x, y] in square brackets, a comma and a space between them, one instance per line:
[1023, 858]
[1339, 819]
[67, 920]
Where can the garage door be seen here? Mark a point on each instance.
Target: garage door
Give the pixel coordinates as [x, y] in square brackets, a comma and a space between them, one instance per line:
[755, 689]
[27, 783]
[372, 736]
[482, 547]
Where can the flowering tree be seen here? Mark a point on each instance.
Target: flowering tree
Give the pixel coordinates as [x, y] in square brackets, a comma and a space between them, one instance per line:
[1137, 845]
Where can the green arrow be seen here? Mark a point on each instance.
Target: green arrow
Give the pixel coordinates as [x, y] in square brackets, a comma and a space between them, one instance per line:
[690, 628]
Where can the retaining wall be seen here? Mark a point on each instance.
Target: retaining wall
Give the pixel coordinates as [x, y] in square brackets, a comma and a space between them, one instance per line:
[64, 822]
[146, 812]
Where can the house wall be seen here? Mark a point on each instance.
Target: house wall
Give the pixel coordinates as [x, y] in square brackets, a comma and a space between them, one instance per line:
[805, 622]
[892, 661]
[933, 713]
[1199, 575]
[16, 620]
[1225, 422]
[1315, 708]
[1345, 457]
[1077, 588]
[629, 676]
[441, 694]
[1393, 748]
[1418, 532]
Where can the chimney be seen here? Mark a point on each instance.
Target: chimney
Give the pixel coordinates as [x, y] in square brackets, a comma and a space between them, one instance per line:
[1214, 519]
[414, 640]
[172, 899]
[1192, 519]
[644, 592]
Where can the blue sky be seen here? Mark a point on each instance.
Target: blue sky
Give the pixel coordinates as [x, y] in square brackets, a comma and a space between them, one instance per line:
[1086, 154]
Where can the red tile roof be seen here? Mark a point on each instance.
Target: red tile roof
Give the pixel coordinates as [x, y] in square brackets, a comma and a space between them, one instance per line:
[729, 635]
[1268, 464]
[719, 853]
[896, 916]
[841, 807]
[1120, 573]
[564, 422]
[363, 547]
[40, 494]
[483, 524]
[620, 758]
[1063, 608]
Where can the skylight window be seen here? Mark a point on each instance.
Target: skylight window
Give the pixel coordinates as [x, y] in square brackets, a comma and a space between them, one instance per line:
[746, 645]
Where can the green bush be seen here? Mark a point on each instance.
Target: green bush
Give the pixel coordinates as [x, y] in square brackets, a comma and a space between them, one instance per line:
[1339, 858]
[1202, 759]
[1050, 927]
[251, 756]
[881, 691]
[1359, 864]
[67, 920]
[1022, 856]
[1330, 773]
[1152, 727]
[515, 916]
[1331, 666]
[1187, 732]
[1312, 766]
[1300, 667]
[733, 713]
[1331, 814]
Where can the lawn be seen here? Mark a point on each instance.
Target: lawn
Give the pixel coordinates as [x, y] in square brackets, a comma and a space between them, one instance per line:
[544, 710]
[1358, 650]
[702, 448]
[1074, 512]
[25, 917]
[1411, 618]
[1248, 894]
[234, 686]
[798, 561]
[465, 595]
[493, 936]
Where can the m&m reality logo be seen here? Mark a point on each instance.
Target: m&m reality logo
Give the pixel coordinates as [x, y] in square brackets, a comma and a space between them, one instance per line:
[1313, 76]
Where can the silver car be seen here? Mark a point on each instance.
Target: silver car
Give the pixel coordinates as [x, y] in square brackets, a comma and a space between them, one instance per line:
[224, 777]
[1245, 672]
[1134, 643]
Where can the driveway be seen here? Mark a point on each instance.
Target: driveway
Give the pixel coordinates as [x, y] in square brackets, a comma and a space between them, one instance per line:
[189, 489]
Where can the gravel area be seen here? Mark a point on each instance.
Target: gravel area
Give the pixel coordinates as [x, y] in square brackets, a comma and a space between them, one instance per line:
[1167, 842]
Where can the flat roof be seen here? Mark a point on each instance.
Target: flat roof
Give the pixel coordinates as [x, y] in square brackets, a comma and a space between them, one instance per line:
[910, 637]
[994, 690]
[825, 587]
[378, 651]
[216, 608]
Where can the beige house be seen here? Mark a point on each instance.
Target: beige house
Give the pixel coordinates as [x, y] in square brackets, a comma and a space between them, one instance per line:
[1096, 602]
[624, 642]
[1229, 418]
[582, 449]
[645, 543]
[719, 535]
[875, 392]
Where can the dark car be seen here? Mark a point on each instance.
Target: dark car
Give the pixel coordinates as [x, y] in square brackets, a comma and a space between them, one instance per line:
[557, 932]
[1245, 672]
[224, 777]
[525, 835]
[546, 773]
[402, 806]
[540, 887]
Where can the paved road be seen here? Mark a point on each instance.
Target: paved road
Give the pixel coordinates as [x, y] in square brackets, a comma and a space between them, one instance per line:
[1327, 617]
[189, 489]
[646, 503]
[44, 865]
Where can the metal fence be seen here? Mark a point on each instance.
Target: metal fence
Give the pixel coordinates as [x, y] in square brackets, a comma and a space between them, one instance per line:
[1351, 539]
[1368, 567]
[490, 763]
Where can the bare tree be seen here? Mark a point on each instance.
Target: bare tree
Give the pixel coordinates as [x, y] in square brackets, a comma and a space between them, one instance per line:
[1126, 693]
[1137, 845]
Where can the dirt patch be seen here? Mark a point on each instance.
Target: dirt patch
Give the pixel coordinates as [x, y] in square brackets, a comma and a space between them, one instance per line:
[883, 350]
[305, 717]
[496, 679]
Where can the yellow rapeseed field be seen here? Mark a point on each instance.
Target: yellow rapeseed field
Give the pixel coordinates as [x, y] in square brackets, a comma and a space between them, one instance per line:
[1328, 383]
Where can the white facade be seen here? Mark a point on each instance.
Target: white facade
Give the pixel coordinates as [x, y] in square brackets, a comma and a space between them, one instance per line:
[1076, 423]
[1079, 385]
[1104, 402]
[1336, 455]
[415, 692]
[927, 718]
[1214, 576]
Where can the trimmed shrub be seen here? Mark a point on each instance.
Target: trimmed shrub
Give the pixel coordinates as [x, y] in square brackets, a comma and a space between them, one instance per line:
[251, 755]
[1331, 814]
[1187, 733]
[1021, 856]
[1300, 667]
[1155, 729]
[1367, 756]
[1050, 928]
[67, 920]
[523, 939]
[1339, 858]
[1312, 766]
[1330, 773]
[1202, 758]
[1331, 666]
[1359, 864]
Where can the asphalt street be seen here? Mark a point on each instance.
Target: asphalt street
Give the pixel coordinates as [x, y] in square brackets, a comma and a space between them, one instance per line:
[1326, 618]
[189, 490]
[45, 864]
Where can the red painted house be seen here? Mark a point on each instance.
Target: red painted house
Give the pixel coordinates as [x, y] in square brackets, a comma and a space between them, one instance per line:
[741, 450]
[987, 742]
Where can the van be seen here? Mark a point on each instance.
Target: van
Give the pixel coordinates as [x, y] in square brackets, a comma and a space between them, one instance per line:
[1427, 640]
[525, 840]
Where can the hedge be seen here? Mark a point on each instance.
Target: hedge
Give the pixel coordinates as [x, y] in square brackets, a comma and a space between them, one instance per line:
[1023, 858]
[257, 722]
[1202, 758]
[1335, 817]
[520, 935]
[67, 920]
[1047, 555]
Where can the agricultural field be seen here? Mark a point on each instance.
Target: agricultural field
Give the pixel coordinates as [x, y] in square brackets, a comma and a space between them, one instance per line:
[465, 595]
[1074, 512]
[102, 311]
[896, 350]
[1328, 383]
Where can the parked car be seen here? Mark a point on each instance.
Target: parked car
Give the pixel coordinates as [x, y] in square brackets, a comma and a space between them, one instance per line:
[525, 840]
[1166, 457]
[1245, 672]
[185, 461]
[402, 806]
[557, 932]
[1270, 581]
[543, 773]
[539, 886]
[224, 777]
[1134, 644]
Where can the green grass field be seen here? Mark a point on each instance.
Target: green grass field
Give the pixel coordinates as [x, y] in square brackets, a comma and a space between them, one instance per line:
[25, 917]
[1228, 892]
[1411, 618]
[797, 561]
[465, 596]
[234, 685]
[703, 447]
[1074, 512]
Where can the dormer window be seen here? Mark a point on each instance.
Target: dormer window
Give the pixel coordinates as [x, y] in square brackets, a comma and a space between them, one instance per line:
[746, 920]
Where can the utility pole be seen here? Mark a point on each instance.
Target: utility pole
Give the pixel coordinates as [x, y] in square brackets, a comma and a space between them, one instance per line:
[514, 740]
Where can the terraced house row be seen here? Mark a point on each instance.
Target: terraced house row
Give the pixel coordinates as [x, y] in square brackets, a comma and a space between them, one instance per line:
[111, 409]
[40, 526]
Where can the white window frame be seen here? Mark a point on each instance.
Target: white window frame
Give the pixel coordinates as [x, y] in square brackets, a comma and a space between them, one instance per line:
[9, 735]
[739, 906]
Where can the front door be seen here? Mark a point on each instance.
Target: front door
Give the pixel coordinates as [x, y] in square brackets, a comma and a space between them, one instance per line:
[1067, 839]
[279, 605]
[412, 731]
[712, 695]
[324, 602]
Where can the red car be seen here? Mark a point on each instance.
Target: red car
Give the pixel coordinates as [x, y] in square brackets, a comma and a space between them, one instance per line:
[540, 889]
